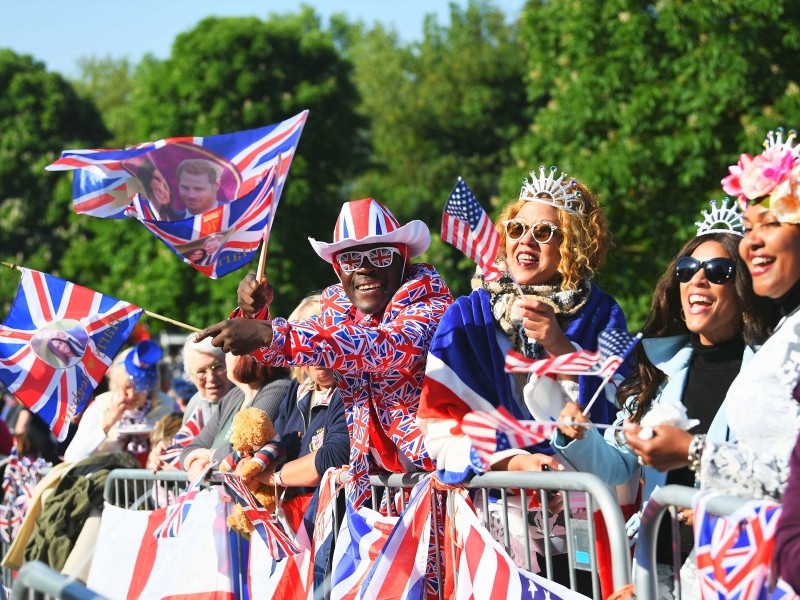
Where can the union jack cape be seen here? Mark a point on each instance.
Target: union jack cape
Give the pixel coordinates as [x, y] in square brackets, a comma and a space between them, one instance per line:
[102, 187]
[89, 326]
[238, 226]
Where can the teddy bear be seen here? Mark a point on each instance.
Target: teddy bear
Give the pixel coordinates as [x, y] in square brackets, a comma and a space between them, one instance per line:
[255, 442]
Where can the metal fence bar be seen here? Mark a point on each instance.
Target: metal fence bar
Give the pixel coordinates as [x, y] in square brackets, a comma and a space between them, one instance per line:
[663, 498]
[35, 576]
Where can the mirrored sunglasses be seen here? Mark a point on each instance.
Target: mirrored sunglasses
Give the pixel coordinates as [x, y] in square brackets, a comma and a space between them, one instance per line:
[542, 231]
[717, 270]
[351, 260]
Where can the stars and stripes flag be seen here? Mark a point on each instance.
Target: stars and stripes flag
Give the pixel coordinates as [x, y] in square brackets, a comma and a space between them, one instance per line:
[466, 226]
[486, 571]
[614, 346]
[102, 187]
[184, 436]
[734, 553]
[227, 236]
[56, 344]
[178, 511]
[271, 532]
[496, 429]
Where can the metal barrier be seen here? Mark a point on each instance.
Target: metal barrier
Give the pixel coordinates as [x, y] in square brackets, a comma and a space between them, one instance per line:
[139, 489]
[663, 499]
[597, 494]
[36, 580]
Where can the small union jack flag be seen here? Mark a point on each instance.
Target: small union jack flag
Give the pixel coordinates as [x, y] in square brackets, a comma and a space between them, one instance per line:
[466, 226]
[188, 431]
[614, 346]
[56, 344]
[279, 543]
[179, 510]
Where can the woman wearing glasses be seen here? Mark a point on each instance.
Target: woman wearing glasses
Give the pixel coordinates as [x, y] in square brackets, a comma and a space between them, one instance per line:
[555, 237]
[255, 385]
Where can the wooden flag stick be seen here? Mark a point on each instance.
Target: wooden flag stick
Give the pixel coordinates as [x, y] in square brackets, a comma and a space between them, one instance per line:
[147, 312]
[511, 274]
[262, 260]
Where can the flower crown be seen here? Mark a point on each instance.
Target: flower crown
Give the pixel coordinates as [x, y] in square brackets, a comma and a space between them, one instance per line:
[771, 179]
[721, 220]
[554, 192]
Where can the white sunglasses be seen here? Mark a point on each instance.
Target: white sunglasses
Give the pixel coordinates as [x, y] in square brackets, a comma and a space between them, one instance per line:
[381, 257]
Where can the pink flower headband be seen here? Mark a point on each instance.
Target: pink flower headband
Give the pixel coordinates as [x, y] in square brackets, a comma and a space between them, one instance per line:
[771, 179]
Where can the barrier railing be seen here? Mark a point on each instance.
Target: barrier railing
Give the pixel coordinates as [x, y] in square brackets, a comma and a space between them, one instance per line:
[36, 580]
[668, 498]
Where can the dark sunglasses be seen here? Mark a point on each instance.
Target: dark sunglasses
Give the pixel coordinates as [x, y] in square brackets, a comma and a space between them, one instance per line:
[717, 270]
[542, 231]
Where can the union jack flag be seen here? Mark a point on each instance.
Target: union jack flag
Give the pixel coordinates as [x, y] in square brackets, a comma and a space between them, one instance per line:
[466, 226]
[190, 430]
[734, 553]
[57, 342]
[496, 429]
[179, 510]
[614, 346]
[279, 543]
[227, 236]
[102, 187]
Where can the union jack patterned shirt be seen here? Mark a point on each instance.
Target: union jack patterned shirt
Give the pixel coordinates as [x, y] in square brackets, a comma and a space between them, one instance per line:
[378, 365]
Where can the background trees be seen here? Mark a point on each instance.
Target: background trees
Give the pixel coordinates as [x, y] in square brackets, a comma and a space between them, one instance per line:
[648, 103]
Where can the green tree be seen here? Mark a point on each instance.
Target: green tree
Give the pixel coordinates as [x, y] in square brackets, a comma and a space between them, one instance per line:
[231, 74]
[649, 104]
[40, 114]
[449, 105]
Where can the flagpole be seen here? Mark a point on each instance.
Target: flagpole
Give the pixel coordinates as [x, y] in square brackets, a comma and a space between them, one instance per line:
[511, 273]
[608, 377]
[262, 260]
[147, 312]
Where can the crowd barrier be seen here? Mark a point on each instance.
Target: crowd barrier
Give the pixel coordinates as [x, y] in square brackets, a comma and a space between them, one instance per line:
[139, 489]
[36, 581]
[669, 498]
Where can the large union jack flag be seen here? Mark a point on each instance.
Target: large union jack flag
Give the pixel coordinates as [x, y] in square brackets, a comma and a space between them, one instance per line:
[57, 342]
[104, 187]
[466, 226]
[734, 553]
[226, 237]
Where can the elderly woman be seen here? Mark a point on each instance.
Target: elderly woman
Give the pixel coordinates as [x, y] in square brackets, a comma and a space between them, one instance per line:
[555, 238]
[121, 419]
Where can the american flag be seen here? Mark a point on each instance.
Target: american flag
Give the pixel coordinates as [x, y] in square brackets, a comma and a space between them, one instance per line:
[614, 346]
[188, 431]
[238, 227]
[496, 429]
[101, 185]
[734, 553]
[279, 543]
[466, 226]
[89, 326]
[179, 510]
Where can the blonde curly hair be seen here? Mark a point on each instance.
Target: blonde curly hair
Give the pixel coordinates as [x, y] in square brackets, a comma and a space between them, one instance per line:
[584, 242]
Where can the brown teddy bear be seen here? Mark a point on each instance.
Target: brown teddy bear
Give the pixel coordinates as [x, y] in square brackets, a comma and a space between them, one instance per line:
[255, 442]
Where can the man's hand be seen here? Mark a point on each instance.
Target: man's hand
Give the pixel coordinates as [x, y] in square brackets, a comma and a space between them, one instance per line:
[667, 449]
[238, 336]
[572, 413]
[253, 297]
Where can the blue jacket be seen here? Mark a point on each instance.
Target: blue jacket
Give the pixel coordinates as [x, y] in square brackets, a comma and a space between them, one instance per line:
[611, 459]
[325, 432]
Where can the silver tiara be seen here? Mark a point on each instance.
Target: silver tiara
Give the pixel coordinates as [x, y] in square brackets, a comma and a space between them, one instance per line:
[555, 192]
[776, 141]
[721, 220]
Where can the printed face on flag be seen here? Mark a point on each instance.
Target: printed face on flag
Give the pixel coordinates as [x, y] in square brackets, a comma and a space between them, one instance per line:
[222, 239]
[180, 176]
[56, 344]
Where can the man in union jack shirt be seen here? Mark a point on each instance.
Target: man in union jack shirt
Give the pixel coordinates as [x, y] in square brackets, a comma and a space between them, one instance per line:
[374, 331]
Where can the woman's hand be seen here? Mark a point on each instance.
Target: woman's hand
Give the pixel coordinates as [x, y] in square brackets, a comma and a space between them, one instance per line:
[154, 462]
[118, 405]
[572, 413]
[539, 322]
[668, 448]
[196, 462]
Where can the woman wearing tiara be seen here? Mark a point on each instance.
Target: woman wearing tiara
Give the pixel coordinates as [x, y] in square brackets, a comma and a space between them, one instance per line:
[554, 237]
[704, 324]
